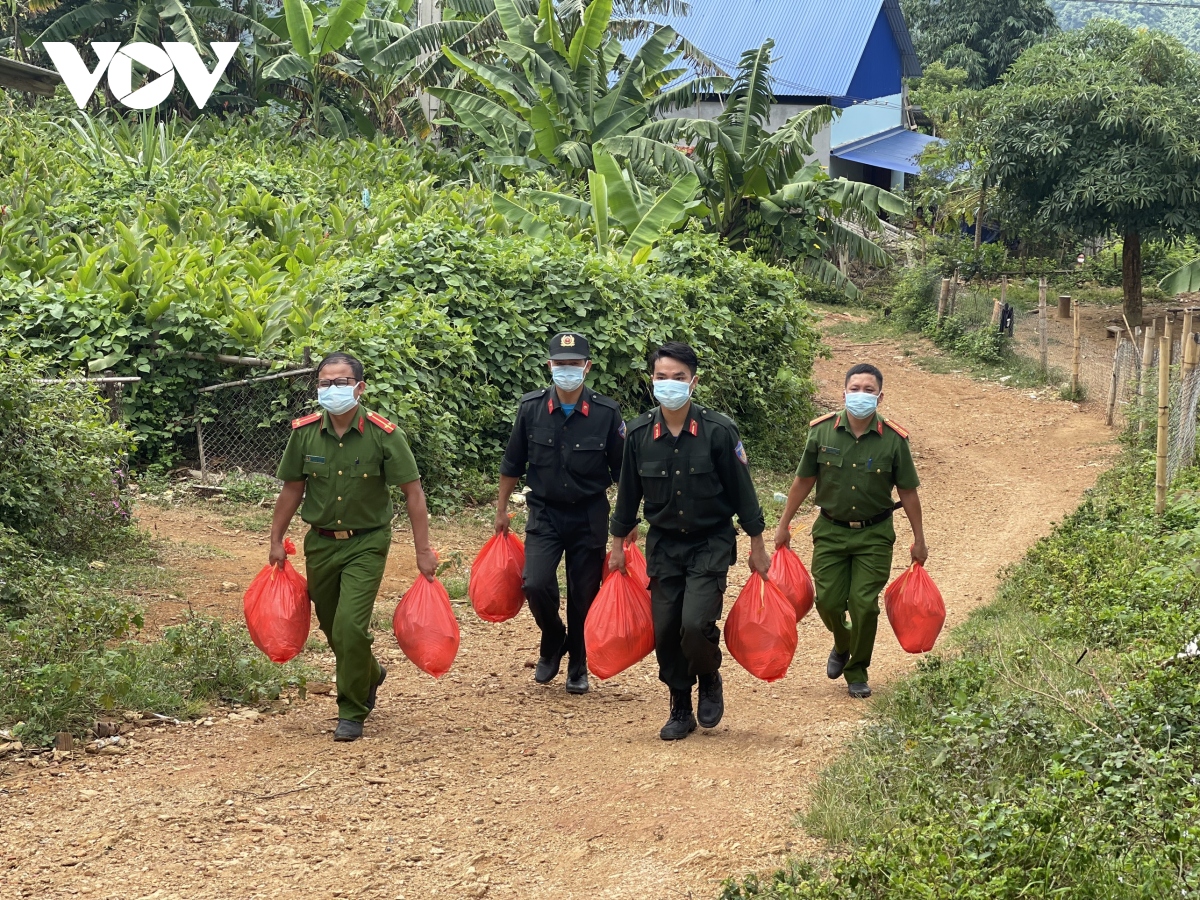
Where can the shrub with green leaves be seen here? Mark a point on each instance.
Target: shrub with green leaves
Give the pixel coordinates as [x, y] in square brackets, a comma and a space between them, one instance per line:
[61, 463]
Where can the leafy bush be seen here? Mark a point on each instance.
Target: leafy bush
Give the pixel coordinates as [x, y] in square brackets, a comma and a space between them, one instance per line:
[1016, 769]
[259, 244]
[61, 463]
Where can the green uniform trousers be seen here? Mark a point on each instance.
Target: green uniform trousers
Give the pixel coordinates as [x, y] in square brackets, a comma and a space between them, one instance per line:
[850, 566]
[687, 590]
[343, 579]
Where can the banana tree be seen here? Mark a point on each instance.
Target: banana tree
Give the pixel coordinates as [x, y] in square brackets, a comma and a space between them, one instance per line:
[564, 84]
[152, 21]
[1183, 280]
[315, 36]
[763, 193]
[616, 199]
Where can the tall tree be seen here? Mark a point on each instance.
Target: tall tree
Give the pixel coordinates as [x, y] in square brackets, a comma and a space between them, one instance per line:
[983, 37]
[1093, 132]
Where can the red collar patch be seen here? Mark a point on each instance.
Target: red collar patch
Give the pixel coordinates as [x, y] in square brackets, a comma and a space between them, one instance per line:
[583, 407]
[550, 404]
[693, 427]
[658, 430]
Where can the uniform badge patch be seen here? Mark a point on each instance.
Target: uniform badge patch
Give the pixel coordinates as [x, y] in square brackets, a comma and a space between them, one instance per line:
[740, 451]
[621, 429]
[568, 340]
[315, 459]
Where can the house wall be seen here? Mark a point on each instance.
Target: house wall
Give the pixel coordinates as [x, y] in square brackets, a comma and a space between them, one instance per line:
[880, 69]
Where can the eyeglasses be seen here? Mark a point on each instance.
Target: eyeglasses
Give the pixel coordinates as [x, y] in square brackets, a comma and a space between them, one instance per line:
[336, 382]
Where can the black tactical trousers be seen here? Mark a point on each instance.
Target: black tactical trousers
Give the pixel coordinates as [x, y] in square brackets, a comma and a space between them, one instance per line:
[568, 530]
[687, 591]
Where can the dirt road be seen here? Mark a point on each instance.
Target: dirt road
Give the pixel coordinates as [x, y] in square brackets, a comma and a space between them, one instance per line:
[484, 784]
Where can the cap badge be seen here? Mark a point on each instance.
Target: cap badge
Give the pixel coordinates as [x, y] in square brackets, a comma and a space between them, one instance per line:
[568, 340]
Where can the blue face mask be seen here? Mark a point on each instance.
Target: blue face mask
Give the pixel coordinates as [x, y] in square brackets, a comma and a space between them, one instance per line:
[860, 404]
[672, 394]
[568, 378]
[337, 400]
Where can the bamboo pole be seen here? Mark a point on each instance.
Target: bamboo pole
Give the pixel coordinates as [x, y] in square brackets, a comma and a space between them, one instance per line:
[1147, 350]
[1185, 341]
[1111, 411]
[1044, 354]
[1076, 355]
[955, 284]
[997, 306]
[1164, 394]
[943, 298]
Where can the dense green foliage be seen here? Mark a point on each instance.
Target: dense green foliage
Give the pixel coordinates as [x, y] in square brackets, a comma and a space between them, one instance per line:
[255, 243]
[1057, 754]
[1092, 132]
[67, 635]
[1177, 20]
[981, 37]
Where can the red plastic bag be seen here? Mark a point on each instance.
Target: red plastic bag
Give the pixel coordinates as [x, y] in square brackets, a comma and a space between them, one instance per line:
[760, 630]
[787, 572]
[277, 610]
[635, 565]
[495, 584]
[915, 609]
[619, 630]
[425, 627]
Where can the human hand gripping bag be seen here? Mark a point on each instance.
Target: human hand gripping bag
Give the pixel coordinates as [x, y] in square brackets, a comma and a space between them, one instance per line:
[915, 609]
[495, 583]
[277, 610]
[619, 630]
[635, 565]
[425, 627]
[788, 573]
[760, 630]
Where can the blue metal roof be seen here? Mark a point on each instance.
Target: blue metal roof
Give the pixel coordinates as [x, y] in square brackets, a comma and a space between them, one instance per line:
[896, 149]
[819, 44]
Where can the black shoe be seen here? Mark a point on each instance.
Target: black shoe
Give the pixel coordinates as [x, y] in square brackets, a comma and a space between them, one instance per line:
[860, 690]
[682, 722]
[547, 669]
[577, 684]
[375, 688]
[837, 663]
[711, 706]
[347, 730]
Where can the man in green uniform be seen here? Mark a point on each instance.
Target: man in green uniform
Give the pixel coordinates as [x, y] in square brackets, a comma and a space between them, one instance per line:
[689, 465]
[854, 458]
[340, 463]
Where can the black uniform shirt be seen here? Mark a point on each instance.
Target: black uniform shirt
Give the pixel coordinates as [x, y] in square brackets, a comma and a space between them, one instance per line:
[692, 483]
[569, 459]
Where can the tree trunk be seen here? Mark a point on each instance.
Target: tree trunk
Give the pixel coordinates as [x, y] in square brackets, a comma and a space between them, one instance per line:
[979, 215]
[1131, 276]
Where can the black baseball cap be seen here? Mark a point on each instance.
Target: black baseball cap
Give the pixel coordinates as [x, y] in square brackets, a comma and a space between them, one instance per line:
[569, 345]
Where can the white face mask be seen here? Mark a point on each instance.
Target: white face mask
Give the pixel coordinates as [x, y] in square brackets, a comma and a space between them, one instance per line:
[860, 404]
[569, 378]
[336, 399]
[672, 394]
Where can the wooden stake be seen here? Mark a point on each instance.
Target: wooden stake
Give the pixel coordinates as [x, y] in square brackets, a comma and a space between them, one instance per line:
[1147, 350]
[1164, 395]
[1075, 352]
[1110, 413]
[1044, 355]
[997, 306]
[1185, 351]
[1064, 306]
[954, 286]
[943, 298]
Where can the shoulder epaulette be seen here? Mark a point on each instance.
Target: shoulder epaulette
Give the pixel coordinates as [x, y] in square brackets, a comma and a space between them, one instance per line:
[720, 418]
[605, 401]
[533, 395]
[376, 419]
[640, 422]
[819, 419]
[896, 428]
[306, 420]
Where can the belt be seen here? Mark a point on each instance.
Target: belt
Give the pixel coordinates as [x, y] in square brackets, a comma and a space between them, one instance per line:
[874, 520]
[344, 535]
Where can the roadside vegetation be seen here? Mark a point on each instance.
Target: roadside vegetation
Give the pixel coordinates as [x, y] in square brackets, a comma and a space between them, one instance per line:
[1052, 747]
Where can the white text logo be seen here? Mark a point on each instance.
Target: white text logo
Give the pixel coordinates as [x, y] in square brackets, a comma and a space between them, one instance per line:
[166, 61]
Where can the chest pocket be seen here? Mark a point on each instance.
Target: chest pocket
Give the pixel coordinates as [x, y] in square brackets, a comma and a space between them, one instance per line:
[702, 480]
[656, 481]
[543, 449]
[585, 456]
[315, 469]
[826, 458]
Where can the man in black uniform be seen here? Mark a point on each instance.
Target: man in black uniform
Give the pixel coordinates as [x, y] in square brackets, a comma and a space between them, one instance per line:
[689, 465]
[570, 438]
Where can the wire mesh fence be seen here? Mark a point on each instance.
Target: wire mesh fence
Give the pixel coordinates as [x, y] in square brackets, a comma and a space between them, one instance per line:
[1181, 421]
[244, 425]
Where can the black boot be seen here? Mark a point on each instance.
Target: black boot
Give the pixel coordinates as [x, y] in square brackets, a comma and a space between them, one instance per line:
[682, 722]
[547, 668]
[711, 705]
[347, 730]
[577, 677]
[375, 688]
[837, 663]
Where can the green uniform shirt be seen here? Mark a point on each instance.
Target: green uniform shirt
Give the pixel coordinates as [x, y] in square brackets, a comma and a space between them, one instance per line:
[693, 483]
[855, 476]
[346, 479]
